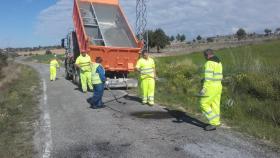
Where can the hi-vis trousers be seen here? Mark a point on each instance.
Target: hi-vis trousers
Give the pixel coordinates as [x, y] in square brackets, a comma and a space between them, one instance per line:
[86, 80]
[148, 90]
[52, 73]
[210, 103]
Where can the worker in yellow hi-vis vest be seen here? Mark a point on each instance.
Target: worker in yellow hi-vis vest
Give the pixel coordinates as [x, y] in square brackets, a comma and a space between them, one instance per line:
[53, 66]
[83, 62]
[211, 89]
[146, 67]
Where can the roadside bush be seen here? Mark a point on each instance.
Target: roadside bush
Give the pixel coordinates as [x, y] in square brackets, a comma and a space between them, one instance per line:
[251, 87]
[259, 85]
[48, 52]
[180, 84]
[3, 63]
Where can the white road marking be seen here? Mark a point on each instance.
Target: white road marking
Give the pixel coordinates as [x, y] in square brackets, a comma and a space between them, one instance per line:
[47, 125]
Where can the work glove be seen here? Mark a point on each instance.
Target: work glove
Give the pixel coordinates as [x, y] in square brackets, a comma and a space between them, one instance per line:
[202, 92]
[106, 83]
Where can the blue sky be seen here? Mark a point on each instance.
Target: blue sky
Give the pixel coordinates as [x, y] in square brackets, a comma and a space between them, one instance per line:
[18, 18]
[45, 22]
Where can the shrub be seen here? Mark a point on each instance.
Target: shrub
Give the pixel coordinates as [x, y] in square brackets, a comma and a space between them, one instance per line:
[48, 52]
[3, 63]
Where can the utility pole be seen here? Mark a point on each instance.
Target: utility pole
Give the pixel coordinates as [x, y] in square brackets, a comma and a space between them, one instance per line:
[141, 22]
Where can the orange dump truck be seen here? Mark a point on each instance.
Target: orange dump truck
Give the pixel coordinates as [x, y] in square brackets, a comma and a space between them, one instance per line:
[101, 29]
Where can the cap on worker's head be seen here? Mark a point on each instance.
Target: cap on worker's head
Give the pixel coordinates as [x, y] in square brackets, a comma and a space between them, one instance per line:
[208, 53]
[98, 60]
[144, 51]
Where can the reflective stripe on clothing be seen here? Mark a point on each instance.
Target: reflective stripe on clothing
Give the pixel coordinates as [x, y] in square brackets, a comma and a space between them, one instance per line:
[84, 62]
[146, 67]
[94, 75]
[212, 79]
[213, 117]
[54, 63]
[147, 71]
[213, 72]
[208, 113]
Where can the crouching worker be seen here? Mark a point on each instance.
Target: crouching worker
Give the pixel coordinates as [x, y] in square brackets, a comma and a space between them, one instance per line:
[53, 66]
[98, 81]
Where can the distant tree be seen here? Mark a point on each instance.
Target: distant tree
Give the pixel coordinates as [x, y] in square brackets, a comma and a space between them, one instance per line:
[210, 39]
[194, 40]
[48, 52]
[241, 33]
[159, 39]
[172, 38]
[178, 37]
[267, 31]
[199, 38]
[150, 34]
[182, 38]
[277, 30]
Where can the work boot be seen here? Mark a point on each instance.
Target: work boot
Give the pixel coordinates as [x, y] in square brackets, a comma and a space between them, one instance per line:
[210, 128]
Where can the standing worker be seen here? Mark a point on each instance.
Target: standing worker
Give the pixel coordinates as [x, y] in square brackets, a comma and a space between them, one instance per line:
[146, 67]
[53, 66]
[98, 80]
[83, 62]
[212, 89]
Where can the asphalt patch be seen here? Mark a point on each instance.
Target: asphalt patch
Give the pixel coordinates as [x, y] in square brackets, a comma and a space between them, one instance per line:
[152, 115]
[97, 150]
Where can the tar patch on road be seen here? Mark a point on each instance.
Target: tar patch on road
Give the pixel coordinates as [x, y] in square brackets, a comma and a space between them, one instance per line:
[97, 150]
[152, 115]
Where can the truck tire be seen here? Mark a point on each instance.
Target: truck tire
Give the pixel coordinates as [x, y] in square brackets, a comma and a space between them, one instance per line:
[77, 79]
[67, 75]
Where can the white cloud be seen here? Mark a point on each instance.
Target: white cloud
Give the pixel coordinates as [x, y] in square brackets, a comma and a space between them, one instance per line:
[192, 17]
[55, 21]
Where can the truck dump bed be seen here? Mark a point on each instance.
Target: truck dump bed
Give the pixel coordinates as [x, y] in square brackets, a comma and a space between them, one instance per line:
[102, 30]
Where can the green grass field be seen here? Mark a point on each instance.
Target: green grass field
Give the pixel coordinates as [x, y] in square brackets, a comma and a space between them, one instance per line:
[251, 92]
[46, 58]
[18, 112]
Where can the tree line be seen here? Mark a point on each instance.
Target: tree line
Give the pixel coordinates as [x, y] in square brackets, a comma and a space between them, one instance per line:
[29, 49]
[158, 39]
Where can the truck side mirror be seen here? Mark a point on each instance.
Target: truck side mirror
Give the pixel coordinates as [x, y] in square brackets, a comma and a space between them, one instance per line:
[62, 43]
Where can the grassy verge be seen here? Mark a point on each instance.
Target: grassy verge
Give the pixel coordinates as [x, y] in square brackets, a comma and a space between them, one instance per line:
[18, 112]
[251, 92]
[3, 63]
[46, 58]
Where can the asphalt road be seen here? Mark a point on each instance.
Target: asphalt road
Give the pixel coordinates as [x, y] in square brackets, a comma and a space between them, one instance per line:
[69, 128]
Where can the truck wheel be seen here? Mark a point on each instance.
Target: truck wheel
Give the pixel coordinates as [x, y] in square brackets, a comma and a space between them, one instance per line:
[67, 75]
[77, 80]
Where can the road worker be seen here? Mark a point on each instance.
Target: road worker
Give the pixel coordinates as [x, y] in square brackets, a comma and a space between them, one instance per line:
[83, 62]
[146, 67]
[53, 66]
[98, 81]
[211, 89]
